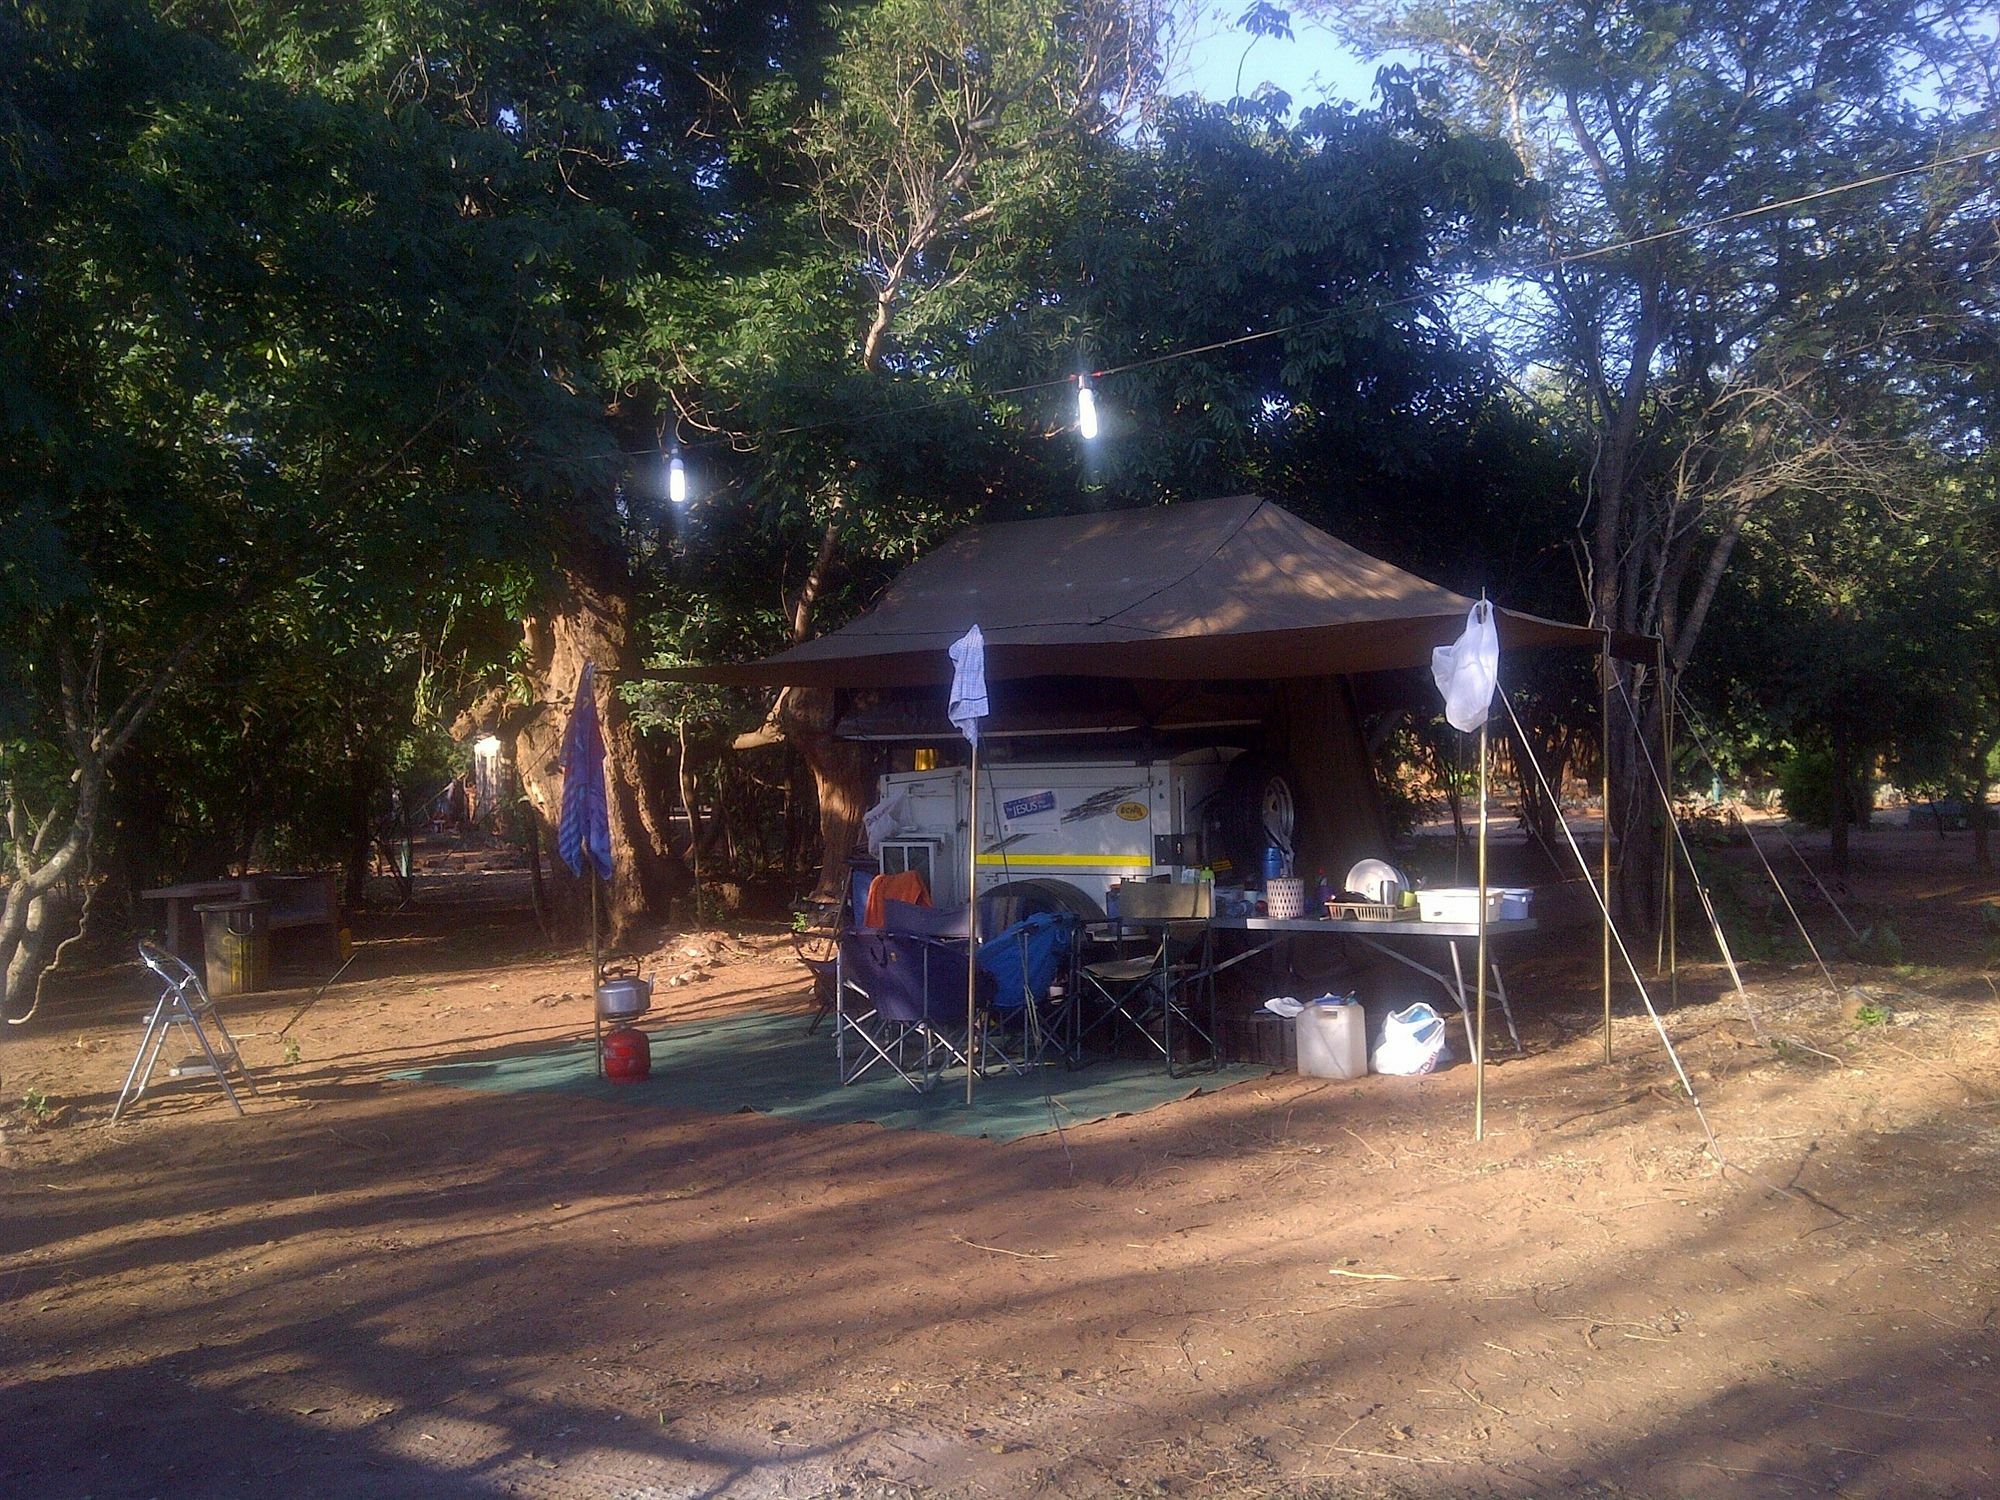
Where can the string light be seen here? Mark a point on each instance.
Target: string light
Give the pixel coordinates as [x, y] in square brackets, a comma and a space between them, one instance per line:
[1086, 408]
[1086, 398]
[677, 479]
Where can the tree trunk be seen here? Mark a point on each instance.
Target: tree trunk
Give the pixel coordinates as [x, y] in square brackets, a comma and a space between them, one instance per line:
[843, 773]
[1843, 812]
[1635, 793]
[31, 923]
[360, 830]
[589, 619]
[1983, 847]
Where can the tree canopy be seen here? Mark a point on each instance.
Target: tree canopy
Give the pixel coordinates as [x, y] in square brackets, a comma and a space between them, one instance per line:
[345, 346]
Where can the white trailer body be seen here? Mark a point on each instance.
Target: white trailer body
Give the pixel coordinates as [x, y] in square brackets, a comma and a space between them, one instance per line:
[1081, 823]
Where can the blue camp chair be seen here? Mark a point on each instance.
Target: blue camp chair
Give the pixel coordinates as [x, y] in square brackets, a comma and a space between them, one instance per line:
[1032, 964]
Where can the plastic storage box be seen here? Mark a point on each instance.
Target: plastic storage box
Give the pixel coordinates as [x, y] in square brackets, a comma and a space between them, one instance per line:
[1457, 904]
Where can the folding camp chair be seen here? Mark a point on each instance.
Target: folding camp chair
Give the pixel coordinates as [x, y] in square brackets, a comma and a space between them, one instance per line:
[816, 939]
[1157, 995]
[183, 1004]
[901, 1005]
[1033, 966]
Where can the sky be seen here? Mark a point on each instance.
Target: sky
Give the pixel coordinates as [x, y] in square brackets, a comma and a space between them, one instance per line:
[1313, 67]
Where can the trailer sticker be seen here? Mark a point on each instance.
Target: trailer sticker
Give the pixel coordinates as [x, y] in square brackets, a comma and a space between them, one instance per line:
[1070, 861]
[1100, 803]
[1134, 812]
[1033, 813]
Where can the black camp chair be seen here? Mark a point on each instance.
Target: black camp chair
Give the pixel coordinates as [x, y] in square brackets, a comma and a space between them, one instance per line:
[1164, 994]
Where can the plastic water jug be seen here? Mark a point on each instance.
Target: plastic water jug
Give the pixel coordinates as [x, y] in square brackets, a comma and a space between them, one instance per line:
[1333, 1038]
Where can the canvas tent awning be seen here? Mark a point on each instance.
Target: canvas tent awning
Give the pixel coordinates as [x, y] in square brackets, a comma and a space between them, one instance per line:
[1212, 589]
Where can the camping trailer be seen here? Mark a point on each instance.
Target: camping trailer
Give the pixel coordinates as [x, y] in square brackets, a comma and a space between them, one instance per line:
[1058, 832]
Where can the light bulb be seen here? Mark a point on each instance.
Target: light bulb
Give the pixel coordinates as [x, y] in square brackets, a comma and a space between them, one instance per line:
[1086, 408]
[677, 479]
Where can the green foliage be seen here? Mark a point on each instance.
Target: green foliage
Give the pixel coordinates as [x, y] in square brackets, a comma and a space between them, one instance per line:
[335, 332]
[294, 381]
[1810, 789]
[1879, 944]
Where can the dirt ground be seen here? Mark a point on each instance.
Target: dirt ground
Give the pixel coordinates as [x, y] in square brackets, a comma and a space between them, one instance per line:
[1287, 1287]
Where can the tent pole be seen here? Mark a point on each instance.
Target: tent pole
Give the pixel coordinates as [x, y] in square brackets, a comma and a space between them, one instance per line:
[596, 968]
[1631, 964]
[971, 922]
[1605, 669]
[1479, 1025]
[1673, 826]
[1687, 858]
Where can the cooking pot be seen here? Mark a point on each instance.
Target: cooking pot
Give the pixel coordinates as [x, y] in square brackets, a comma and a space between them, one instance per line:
[618, 999]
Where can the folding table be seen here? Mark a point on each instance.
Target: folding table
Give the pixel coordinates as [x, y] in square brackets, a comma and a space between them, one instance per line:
[1392, 940]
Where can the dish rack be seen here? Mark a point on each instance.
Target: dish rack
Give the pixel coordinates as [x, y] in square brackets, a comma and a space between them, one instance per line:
[1361, 911]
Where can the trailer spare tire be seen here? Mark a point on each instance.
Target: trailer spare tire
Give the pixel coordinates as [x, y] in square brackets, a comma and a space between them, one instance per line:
[1254, 808]
[1018, 899]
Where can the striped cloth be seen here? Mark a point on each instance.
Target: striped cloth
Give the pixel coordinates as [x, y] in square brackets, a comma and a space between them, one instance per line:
[585, 827]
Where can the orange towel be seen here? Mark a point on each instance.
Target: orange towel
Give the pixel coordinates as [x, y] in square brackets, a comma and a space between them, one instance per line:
[907, 886]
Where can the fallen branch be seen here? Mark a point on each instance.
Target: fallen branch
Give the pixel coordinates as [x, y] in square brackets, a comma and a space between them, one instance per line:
[1401, 1458]
[1003, 1250]
[1383, 1275]
[1370, 1149]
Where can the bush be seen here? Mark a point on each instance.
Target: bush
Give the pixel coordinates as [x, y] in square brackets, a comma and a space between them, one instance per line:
[1810, 790]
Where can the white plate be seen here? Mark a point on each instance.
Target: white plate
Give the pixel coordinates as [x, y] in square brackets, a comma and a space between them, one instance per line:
[1371, 875]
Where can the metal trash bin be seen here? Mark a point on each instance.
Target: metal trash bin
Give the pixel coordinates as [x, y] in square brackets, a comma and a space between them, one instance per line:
[236, 946]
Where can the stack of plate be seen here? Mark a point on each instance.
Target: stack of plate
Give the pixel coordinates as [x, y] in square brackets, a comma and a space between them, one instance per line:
[1378, 880]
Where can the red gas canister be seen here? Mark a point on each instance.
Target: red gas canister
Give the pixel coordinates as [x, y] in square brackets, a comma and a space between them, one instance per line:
[628, 1055]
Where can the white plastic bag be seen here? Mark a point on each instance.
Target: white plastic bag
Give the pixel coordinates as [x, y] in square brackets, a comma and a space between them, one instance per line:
[1283, 1005]
[880, 820]
[1468, 670]
[1413, 1041]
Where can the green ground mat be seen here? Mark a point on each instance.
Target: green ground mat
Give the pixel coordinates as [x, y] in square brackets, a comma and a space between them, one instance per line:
[765, 1062]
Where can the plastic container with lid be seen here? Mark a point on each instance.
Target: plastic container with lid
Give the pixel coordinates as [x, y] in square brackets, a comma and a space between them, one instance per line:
[1333, 1038]
[1457, 904]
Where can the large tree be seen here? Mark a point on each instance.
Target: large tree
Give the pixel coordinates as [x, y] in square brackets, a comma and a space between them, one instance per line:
[605, 137]
[907, 183]
[259, 362]
[1706, 292]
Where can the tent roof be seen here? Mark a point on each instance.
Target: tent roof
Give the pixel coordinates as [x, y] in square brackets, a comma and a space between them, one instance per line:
[1212, 589]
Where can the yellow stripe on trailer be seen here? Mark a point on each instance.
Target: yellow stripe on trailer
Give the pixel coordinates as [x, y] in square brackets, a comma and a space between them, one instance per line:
[1066, 861]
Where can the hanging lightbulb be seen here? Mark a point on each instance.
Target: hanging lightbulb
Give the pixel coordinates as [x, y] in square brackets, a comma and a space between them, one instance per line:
[677, 479]
[1086, 408]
